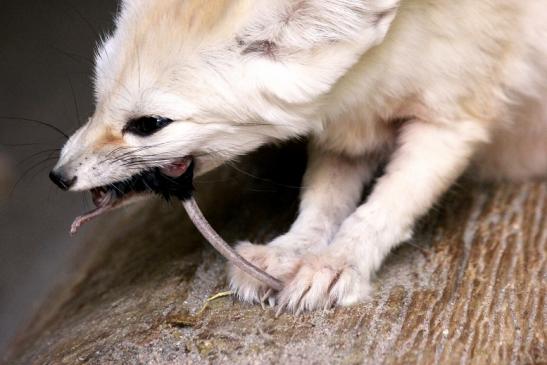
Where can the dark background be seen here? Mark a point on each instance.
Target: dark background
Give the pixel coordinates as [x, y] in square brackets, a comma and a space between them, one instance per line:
[46, 50]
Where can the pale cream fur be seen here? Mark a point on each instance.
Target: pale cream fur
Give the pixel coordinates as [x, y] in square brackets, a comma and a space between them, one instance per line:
[430, 86]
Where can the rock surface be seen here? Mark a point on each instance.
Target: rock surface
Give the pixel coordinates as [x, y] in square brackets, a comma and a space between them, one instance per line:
[470, 288]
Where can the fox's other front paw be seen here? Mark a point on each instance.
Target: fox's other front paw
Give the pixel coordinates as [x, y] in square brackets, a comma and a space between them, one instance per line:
[278, 261]
[322, 281]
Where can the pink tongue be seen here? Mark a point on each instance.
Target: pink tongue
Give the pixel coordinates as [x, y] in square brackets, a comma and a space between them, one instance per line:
[176, 169]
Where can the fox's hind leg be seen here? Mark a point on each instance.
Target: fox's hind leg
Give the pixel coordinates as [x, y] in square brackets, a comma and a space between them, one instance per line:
[518, 150]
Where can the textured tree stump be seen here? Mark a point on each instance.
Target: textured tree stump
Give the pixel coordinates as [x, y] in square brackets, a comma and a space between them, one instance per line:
[469, 289]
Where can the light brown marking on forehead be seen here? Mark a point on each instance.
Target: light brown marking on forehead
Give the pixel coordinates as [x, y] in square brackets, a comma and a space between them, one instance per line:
[109, 138]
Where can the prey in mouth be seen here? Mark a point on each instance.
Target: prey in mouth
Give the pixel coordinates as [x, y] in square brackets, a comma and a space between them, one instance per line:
[170, 181]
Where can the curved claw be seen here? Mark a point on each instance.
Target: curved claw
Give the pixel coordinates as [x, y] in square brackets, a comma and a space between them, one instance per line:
[265, 297]
[280, 310]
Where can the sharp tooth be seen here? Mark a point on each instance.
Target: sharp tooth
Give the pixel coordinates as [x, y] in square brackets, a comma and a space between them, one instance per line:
[99, 196]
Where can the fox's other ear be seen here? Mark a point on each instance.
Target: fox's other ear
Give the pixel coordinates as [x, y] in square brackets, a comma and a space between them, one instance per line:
[309, 44]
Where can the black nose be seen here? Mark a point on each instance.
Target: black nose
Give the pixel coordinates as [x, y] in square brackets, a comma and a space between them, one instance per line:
[62, 181]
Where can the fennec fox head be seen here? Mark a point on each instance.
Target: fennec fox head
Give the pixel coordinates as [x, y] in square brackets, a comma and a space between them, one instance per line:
[213, 80]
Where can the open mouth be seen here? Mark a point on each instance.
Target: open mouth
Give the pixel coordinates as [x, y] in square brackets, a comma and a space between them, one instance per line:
[170, 181]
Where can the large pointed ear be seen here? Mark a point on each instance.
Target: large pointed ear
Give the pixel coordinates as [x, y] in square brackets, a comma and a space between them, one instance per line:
[304, 46]
[305, 24]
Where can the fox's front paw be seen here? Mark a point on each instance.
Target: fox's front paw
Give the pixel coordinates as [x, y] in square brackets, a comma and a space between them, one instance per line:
[277, 260]
[322, 281]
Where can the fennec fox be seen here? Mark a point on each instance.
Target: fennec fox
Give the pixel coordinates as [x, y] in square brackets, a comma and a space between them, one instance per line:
[429, 88]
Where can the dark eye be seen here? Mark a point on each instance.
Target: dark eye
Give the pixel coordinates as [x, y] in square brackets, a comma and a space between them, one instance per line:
[146, 126]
